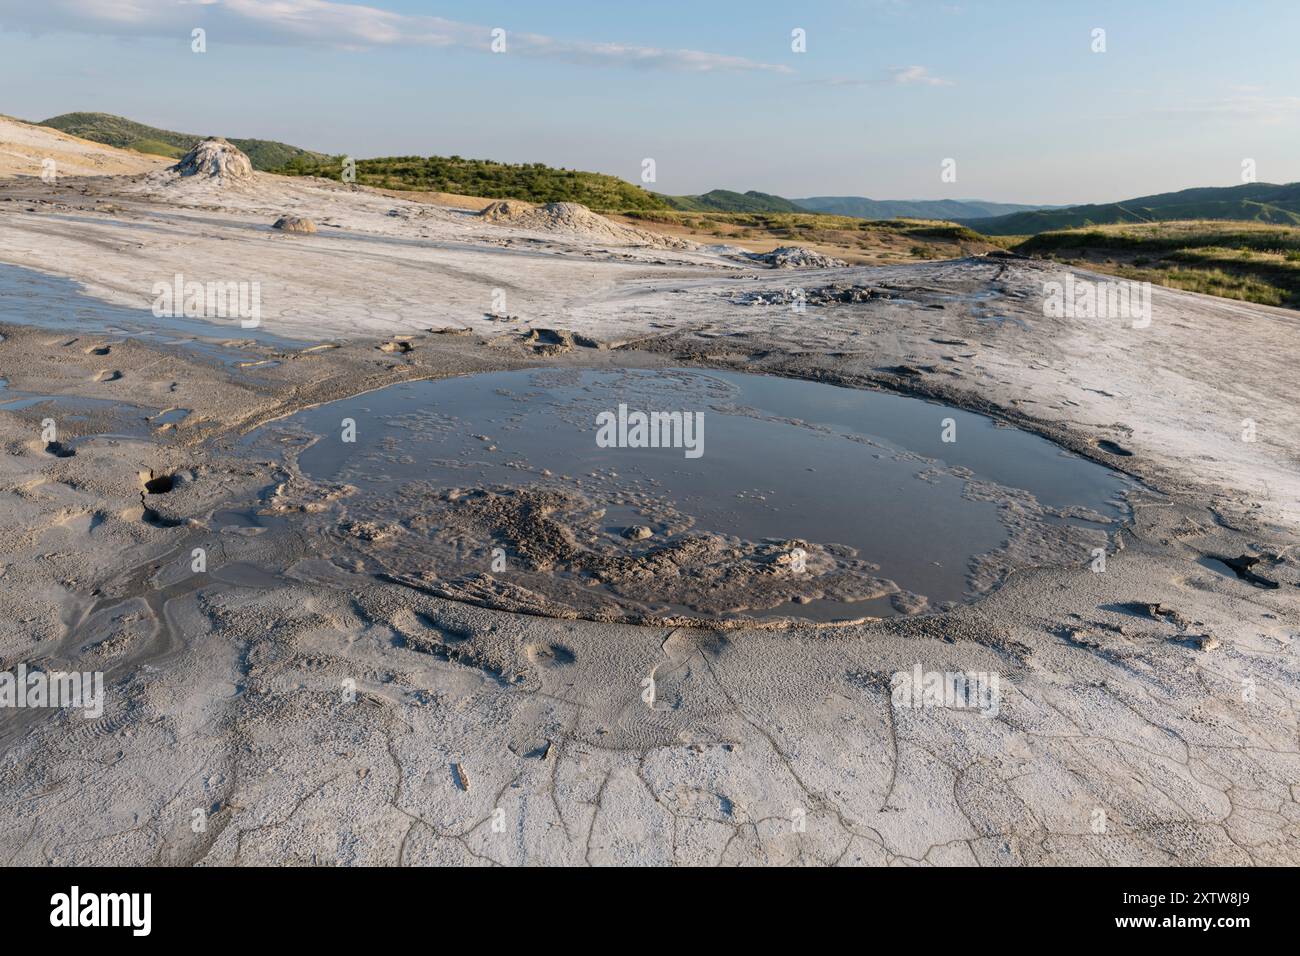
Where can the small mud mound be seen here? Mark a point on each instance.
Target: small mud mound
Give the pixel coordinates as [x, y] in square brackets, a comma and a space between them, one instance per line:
[561, 560]
[796, 257]
[215, 159]
[295, 224]
[577, 220]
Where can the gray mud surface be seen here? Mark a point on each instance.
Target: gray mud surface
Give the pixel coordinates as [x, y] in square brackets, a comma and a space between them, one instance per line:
[307, 709]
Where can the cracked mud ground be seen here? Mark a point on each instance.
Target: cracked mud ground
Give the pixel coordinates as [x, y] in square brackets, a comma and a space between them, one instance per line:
[306, 713]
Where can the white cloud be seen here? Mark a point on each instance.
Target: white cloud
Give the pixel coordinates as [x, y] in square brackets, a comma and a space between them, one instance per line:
[915, 76]
[342, 25]
[895, 76]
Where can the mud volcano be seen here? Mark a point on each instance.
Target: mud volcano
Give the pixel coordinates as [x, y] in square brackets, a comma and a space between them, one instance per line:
[745, 497]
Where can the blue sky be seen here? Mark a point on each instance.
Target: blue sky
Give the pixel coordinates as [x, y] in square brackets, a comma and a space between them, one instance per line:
[710, 89]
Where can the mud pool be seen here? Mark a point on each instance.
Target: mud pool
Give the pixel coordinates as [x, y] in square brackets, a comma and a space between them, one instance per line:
[808, 501]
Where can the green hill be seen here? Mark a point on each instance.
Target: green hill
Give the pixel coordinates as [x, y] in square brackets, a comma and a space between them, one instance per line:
[1252, 202]
[726, 200]
[127, 134]
[531, 182]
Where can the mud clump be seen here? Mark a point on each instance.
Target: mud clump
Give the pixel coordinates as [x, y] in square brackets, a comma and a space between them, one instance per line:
[301, 496]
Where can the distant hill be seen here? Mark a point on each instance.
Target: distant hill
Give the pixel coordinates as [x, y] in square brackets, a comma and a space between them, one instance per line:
[725, 200]
[856, 207]
[531, 182]
[128, 134]
[1252, 202]
[952, 209]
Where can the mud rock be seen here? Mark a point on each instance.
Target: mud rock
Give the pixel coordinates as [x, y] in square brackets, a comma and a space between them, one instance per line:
[295, 224]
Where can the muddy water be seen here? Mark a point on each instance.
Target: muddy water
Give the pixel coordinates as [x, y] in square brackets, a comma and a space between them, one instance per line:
[28, 297]
[863, 483]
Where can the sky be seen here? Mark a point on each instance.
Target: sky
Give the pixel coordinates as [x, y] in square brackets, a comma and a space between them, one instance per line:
[1015, 92]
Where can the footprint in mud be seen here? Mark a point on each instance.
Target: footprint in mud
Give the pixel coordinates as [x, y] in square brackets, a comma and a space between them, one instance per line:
[108, 375]
[550, 655]
[158, 484]
[98, 349]
[59, 450]
[1114, 448]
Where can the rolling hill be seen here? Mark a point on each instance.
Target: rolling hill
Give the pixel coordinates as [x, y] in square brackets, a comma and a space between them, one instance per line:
[857, 207]
[953, 209]
[1252, 202]
[127, 134]
[726, 200]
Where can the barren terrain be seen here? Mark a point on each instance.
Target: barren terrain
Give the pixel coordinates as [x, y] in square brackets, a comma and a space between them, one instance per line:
[284, 707]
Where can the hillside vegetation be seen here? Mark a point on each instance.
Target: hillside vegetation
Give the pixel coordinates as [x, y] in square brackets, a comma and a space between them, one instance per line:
[1252, 202]
[531, 182]
[1247, 261]
[128, 134]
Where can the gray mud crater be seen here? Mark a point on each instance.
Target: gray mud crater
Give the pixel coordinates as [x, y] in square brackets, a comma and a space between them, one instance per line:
[808, 502]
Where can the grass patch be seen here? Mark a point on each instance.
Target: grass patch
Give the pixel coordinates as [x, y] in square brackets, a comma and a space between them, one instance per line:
[1252, 262]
